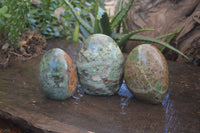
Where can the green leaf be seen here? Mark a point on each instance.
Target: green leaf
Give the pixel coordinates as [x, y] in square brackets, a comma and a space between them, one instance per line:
[33, 11]
[96, 22]
[84, 32]
[76, 32]
[6, 15]
[163, 36]
[100, 13]
[92, 19]
[170, 36]
[86, 26]
[105, 24]
[3, 10]
[174, 34]
[149, 39]
[120, 15]
[116, 36]
[153, 40]
[125, 37]
[98, 16]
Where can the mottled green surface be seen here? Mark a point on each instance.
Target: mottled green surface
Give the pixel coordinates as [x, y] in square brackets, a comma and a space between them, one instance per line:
[100, 65]
[146, 73]
[54, 75]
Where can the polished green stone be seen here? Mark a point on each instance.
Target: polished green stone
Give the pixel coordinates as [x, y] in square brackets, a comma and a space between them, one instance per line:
[100, 65]
[56, 74]
[146, 73]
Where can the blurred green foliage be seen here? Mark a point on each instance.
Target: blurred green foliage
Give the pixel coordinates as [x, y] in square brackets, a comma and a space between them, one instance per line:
[42, 16]
[87, 16]
[13, 18]
[20, 15]
[3, 16]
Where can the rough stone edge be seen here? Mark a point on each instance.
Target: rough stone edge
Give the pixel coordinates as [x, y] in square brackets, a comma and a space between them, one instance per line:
[36, 122]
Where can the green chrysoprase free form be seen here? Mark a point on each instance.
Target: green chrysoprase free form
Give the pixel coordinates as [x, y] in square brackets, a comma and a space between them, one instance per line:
[100, 65]
[57, 74]
[146, 73]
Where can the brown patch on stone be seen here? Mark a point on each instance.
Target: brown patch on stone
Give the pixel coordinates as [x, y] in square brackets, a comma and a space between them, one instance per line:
[85, 73]
[91, 90]
[103, 37]
[72, 73]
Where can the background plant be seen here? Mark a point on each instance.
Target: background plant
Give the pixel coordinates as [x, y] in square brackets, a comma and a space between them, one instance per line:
[20, 15]
[42, 16]
[170, 36]
[3, 16]
[87, 16]
[15, 24]
[101, 23]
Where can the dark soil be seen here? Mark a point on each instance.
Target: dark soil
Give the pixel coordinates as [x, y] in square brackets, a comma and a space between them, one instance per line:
[32, 44]
[8, 127]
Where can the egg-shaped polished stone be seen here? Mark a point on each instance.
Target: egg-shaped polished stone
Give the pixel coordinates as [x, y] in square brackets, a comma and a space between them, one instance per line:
[100, 65]
[57, 74]
[146, 73]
